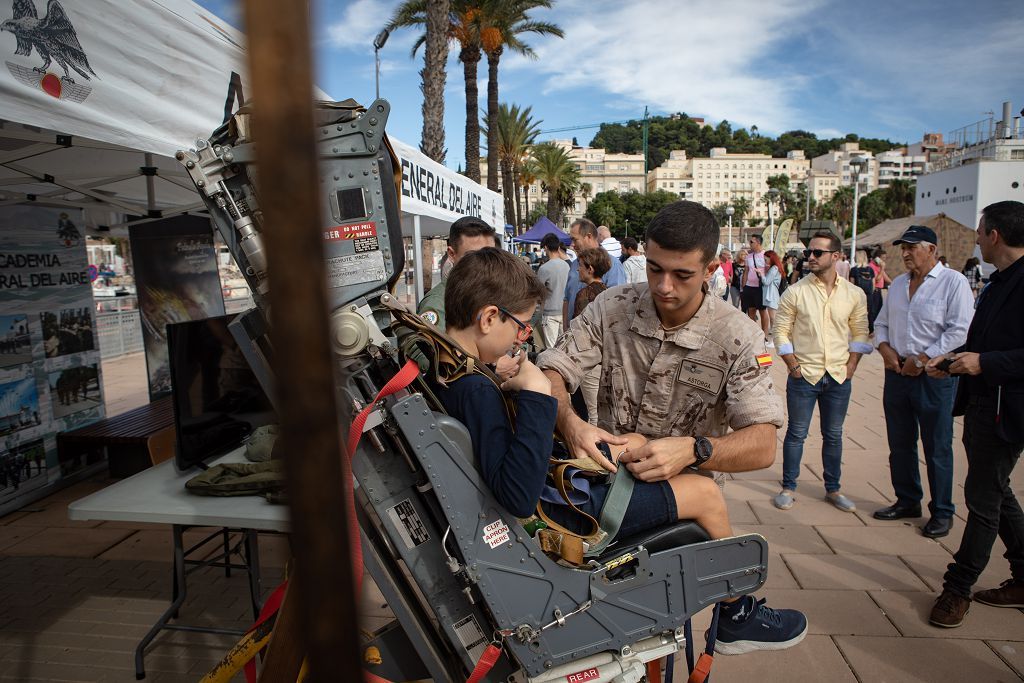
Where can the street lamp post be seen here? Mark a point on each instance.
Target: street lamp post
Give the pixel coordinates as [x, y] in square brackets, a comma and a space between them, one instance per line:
[773, 194]
[807, 196]
[378, 45]
[856, 163]
[729, 211]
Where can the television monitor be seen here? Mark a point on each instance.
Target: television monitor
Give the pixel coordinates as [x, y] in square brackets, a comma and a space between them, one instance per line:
[217, 399]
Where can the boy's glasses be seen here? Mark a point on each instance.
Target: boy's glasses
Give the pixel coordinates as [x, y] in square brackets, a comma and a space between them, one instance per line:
[525, 330]
[817, 253]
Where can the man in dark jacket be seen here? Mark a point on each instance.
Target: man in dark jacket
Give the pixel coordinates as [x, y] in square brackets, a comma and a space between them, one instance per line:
[990, 396]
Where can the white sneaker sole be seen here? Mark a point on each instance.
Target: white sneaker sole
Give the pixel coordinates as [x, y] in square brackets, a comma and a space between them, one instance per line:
[742, 647]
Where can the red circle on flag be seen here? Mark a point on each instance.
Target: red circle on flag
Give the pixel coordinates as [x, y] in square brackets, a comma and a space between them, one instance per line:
[51, 85]
[93, 272]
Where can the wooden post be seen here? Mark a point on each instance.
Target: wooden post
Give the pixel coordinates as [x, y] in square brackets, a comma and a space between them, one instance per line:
[322, 593]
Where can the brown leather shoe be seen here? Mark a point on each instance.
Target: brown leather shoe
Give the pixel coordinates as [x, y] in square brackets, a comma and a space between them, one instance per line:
[949, 610]
[1009, 594]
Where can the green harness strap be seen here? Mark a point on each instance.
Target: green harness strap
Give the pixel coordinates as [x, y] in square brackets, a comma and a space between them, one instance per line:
[614, 509]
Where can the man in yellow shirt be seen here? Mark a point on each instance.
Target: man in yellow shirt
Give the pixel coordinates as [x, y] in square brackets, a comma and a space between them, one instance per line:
[821, 331]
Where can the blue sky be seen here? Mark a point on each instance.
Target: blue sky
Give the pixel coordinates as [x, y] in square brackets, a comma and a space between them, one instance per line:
[875, 68]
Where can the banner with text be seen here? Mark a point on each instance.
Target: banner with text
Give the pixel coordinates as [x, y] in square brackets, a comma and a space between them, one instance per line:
[49, 357]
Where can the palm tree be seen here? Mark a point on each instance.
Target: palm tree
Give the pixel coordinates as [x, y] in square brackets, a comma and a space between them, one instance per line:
[558, 176]
[516, 131]
[502, 22]
[526, 177]
[433, 14]
[464, 28]
[900, 198]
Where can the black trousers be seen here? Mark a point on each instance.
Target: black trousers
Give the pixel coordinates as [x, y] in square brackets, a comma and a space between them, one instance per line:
[992, 509]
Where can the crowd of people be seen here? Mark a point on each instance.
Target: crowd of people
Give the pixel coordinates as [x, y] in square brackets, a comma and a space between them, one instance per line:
[668, 344]
[69, 331]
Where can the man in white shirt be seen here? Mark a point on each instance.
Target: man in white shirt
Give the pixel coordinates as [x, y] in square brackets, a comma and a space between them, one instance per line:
[926, 315]
[609, 243]
[553, 274]
[636, 264]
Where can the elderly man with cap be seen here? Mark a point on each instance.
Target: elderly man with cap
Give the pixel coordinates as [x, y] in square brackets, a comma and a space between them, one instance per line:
[926, 315]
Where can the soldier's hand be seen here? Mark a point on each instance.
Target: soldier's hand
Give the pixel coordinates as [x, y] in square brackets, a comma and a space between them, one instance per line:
[583, 437]
[660, 459]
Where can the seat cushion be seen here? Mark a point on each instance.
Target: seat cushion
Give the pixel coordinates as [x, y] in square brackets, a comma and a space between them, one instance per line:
[661, 538]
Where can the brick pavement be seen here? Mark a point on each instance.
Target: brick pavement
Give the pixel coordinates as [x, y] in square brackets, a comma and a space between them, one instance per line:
[76, 596]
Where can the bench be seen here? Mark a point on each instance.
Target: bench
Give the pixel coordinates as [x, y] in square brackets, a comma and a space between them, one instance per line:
[132, 441]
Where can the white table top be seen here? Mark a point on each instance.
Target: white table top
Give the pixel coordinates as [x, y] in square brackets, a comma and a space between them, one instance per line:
[158, 495]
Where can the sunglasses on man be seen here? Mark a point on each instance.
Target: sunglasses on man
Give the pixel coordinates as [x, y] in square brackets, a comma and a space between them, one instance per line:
[817, 253]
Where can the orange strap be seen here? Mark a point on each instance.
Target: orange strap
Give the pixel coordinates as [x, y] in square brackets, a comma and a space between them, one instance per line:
[485, 663]
[409, 372]
[702, 669]
[654, 671]
[269, 609]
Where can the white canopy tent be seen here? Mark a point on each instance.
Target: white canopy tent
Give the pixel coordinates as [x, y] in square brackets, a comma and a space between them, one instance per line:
[152, 76]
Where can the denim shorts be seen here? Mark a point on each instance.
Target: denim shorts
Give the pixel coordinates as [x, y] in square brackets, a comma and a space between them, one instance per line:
[653, 504]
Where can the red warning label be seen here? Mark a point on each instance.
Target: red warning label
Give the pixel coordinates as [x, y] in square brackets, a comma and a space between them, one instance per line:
[580, 676]
[351, 232]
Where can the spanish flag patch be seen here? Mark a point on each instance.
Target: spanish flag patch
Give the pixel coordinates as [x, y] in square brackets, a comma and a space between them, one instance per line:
[764, 360]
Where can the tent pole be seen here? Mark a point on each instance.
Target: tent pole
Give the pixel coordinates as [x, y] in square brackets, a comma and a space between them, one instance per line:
[150, 185]
[417, 250]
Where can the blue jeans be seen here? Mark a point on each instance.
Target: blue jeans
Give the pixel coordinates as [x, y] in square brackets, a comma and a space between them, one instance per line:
[925, 404]
[832, 399]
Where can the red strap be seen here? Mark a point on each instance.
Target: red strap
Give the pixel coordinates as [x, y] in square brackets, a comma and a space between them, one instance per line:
[485, 663]
[702, 670]
[400, 381]
[269, 608]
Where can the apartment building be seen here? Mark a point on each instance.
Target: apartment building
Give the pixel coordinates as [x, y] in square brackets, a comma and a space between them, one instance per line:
[898, 164]
[822, 185]
[838, 162]
[674, 175]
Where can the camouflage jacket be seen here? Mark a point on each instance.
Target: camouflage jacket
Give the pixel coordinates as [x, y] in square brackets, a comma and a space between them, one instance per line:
[700, 379]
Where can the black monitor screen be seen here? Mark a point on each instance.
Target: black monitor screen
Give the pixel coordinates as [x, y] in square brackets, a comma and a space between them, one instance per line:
[217, 398]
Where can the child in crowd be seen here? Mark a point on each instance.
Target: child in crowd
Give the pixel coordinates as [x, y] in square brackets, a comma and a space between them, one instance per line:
[594, 263]
[489, 294]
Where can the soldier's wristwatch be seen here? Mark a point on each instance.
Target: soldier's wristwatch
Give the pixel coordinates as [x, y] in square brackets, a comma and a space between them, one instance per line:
[701, 452]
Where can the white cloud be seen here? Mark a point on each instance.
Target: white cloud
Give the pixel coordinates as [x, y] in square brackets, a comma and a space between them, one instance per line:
[705, 57]
[360, 21]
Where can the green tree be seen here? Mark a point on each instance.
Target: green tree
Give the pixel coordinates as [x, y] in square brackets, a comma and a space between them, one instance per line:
[433, 15]
[627, 210]
[840, 208]
[742, 208]
[901, 198]
[503, 24]
[785, 200]
[516, 130]
[606, 208]
[558, 176]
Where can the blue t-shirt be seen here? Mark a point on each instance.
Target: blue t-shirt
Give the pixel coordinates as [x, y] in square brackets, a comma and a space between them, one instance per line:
[513, 462]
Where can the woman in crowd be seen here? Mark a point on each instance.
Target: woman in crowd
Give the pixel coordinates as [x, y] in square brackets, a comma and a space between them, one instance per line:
[882, 281]
[594, 263]
[739, 267]
[771, 284]
[972, 271]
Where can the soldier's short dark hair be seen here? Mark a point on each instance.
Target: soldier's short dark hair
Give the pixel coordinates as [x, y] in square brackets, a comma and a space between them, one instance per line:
[834, 242]
[630, 243]
[586, 226]
[598, 259]
[489, 277]
[467, 226]
[686, 226]
[1008, 218]
[551, 242]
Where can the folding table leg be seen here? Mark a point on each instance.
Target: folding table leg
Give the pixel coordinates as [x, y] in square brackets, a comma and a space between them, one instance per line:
[252, 559]
[180, 592]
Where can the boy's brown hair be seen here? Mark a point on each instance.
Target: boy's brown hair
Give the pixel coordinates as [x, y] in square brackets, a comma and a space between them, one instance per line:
[489, 277]
[598, 259]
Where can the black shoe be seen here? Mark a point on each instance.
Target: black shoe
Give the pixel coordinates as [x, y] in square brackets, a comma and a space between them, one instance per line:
[937, 528]
[898, 511]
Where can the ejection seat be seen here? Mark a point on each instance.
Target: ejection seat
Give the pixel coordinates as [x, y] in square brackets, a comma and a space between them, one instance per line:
[456, 569]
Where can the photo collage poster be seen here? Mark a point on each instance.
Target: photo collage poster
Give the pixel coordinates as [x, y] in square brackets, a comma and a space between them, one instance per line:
[177, 280]
[50, 375]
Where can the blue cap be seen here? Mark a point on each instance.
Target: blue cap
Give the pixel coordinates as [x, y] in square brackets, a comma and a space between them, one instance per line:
[917, 233]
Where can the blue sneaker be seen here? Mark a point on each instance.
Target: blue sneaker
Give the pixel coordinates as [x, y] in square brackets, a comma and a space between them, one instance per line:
[748, 625]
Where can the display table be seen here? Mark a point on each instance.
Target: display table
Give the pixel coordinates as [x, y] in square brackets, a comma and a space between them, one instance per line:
[157, 495]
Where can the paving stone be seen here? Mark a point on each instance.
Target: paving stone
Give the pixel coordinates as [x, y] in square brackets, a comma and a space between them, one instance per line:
[922, 659]
[779, 575]
[791, 538]
[852, 572]
[740, 512]
[834, 612]
[68, 542]
[931, 569]
[910, 611]
[9, 535]
[1012, 653]
[809, 510]
[894, 540]
[814, 660]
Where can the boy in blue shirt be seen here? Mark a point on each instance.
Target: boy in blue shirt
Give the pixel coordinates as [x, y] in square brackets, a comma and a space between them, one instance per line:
[489, 294]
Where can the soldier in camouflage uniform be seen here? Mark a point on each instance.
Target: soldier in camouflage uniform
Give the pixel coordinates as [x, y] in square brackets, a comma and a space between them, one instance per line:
[681, 368]
[467, 234]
